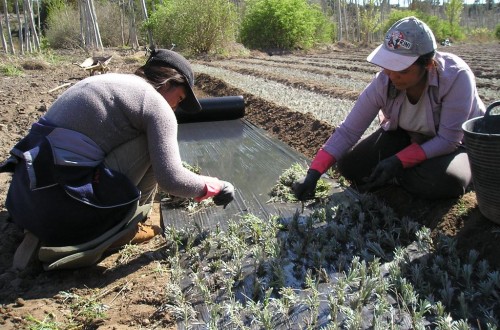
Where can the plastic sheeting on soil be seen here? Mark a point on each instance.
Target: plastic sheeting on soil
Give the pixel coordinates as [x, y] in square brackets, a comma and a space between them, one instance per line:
[241, 153]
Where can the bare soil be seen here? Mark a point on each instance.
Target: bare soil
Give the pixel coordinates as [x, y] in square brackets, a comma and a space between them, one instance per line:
[131, 285]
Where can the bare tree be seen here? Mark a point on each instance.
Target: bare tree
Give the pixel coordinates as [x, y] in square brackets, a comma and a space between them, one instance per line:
[134, 42]
[4, 43]
[121, 5]
[89, 27]
[7, 26]
[20, 30]
[32, 42]
[340, 20]
[145, 14]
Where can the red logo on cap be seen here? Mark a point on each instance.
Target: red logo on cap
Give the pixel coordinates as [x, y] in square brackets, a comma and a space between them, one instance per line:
[396, 40]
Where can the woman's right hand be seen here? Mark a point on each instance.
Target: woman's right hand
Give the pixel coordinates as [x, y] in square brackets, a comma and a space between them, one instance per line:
[225, 195]
[305, 188]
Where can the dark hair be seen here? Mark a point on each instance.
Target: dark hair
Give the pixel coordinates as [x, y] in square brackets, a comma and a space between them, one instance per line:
[158, 75]
[426, 60]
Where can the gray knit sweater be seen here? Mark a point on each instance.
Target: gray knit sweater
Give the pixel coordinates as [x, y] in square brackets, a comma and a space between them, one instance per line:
[112, 109]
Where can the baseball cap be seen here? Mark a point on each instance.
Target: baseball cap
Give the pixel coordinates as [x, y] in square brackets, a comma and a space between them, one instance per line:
[179, 63]
[404, 43]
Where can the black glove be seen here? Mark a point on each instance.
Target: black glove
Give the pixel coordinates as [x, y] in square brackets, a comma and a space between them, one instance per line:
[305, 188]
[225, 195]
[383, 172]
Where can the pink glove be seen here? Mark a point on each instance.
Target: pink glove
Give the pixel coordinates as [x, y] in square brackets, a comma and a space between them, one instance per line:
[221, 191]
[212, 188]
[322, 161]
[411, 155]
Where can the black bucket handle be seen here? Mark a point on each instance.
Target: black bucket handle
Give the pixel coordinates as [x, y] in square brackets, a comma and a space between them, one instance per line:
[489, 123]
[490, 107]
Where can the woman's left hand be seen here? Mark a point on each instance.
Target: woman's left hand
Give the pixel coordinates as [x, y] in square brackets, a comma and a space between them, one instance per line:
[383, 172]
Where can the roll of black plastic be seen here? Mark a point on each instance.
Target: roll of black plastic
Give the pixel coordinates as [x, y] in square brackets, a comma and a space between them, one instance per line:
[214, 109]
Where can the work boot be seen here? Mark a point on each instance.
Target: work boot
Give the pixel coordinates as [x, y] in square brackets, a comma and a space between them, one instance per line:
[141, 234]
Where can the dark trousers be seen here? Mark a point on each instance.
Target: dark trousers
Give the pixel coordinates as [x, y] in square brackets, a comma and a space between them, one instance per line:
[446, 176]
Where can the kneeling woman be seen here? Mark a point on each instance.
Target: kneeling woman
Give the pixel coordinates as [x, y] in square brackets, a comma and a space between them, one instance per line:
[102, 147]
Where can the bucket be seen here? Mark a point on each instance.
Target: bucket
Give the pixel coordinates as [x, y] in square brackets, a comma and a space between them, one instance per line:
[482, 142]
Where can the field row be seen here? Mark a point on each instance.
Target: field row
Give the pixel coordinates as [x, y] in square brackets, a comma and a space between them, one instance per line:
[327, 85]
[324, 107]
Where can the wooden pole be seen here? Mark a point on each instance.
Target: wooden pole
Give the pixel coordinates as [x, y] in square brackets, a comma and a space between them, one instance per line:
[4, 43]
[31, 23]
[95, 25]
[145, 14]
[20, 32]
[7, 26]
[133, 32]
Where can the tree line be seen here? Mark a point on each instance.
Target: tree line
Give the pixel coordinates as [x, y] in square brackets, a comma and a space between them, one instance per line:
[201, 26]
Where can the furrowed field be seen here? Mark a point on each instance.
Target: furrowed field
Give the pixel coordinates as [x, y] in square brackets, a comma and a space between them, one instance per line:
[370, 262]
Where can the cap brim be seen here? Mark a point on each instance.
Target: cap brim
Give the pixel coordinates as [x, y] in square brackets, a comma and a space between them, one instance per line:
[390, 60]
[190, 103]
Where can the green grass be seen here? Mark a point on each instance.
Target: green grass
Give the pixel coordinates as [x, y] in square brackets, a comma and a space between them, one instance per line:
[79, 311]
[48, 323]
[10, 70]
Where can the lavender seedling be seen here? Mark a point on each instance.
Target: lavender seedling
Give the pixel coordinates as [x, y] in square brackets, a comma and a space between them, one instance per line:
[233, 310]
[486, 287]
[340, 290]
[356, 237]
[290, 300]
[215, 317]
[495, 278]
[201, 284]
[313, 298]
[367, 288]
[353, 318]
[439, 309]
[417, 274]
[176, 272]
[466, 274]
[482, 269]
[333, 303]
[423, 307]
[353, 275]
[262, 312]
[424, 240]
[278, 277]
[490, 319]
[382, 307]
[177, 305]
[447, 290]
[472, 257]
[446, 245]
[444, 322]
[282, 190]
[377, 250]
[464, 309]
[408, 227]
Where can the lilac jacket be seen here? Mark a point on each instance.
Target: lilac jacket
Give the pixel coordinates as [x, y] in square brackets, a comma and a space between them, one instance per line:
[450, 100]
